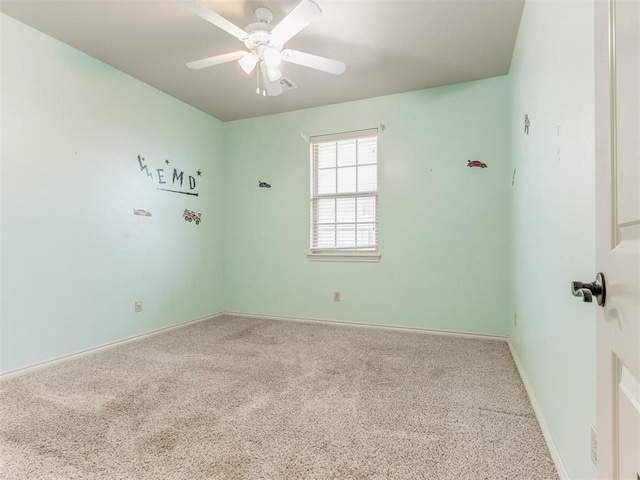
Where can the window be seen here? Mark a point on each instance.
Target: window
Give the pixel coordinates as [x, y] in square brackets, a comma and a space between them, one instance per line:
[344, 196]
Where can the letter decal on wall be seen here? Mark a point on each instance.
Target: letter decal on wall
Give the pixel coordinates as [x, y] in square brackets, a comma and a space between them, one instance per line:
[177, 179]
[176, 176]
[143, 168]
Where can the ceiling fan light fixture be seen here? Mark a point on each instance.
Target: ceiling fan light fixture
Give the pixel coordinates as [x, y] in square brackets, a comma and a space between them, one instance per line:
[248, 63]
[273, 73]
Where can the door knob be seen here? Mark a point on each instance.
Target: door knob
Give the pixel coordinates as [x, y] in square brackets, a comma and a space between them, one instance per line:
[588, 290]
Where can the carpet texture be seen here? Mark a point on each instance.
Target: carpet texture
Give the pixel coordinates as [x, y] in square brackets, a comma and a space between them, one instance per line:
[238, 398]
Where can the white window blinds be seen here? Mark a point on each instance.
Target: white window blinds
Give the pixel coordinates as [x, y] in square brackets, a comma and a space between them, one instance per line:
[344, 192]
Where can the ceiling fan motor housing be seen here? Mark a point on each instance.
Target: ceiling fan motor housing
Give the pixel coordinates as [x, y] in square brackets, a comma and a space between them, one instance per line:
[259, 40]
[256, 37]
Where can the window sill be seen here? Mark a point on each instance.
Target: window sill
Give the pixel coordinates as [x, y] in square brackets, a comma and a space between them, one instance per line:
[344, 257]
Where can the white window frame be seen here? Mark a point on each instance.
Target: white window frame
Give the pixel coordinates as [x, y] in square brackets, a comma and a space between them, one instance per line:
[337, 254]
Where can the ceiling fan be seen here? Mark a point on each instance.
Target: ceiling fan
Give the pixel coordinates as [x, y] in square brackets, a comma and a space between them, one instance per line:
[265, 44]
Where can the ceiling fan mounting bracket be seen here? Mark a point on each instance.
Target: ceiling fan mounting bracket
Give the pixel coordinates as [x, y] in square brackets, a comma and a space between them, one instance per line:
[263, 15]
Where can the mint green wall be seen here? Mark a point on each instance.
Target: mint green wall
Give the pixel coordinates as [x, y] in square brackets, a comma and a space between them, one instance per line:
[74, 258]
[443, 226]
[552, 219]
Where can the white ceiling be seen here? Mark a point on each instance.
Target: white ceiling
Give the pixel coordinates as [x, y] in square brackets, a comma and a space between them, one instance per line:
[389, 46]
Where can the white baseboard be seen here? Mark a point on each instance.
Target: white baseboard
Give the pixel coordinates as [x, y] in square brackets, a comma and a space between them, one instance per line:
[90, 351]
[553, 450]
[454, 333]
[65, 358]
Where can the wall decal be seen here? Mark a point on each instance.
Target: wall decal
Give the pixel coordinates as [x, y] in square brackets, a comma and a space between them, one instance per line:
[526, 124]
[141, 213]
[263, 185]
[190, 216]
[176, 179]
[476, 163]
[177, 191]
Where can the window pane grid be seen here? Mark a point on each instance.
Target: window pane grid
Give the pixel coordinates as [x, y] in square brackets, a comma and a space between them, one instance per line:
[344, 194]
[350, 225]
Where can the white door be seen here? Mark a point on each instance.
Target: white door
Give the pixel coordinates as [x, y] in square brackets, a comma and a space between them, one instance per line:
[617, 83]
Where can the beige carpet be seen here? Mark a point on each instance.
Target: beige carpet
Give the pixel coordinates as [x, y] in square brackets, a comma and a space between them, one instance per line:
[237, 398]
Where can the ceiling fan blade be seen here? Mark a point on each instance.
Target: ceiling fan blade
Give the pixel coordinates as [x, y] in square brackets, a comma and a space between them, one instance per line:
[217, 60]
[249, 62]
[314, 61]
[302, 15]
[218, 20]
[273, 87]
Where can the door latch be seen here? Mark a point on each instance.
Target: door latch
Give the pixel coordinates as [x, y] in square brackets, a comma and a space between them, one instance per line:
[588, 290]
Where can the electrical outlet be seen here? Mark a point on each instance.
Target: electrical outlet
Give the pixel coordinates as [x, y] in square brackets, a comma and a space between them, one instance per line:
[336, 296]
[515, 319]
[138, 307]
[594, 446]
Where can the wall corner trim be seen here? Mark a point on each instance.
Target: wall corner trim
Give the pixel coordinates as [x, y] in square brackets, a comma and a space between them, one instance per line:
[546, 433]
